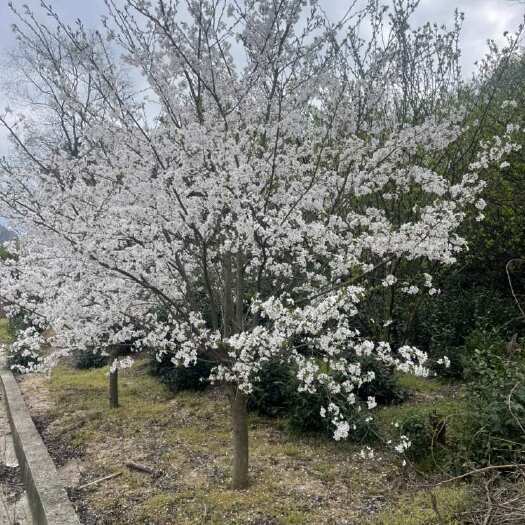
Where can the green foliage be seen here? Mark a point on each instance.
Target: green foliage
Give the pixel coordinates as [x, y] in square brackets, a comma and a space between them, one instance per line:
[276, 394]
[85, 359]
[305, 417]
[274, 391]
[426, 430]
[444, 323]
[178, 378]
[495, 417]
[18, 357]
[17, 323]
[501, 235]
[385, 387]
[476, 292]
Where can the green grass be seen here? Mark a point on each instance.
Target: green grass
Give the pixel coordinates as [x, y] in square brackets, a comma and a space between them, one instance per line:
[421, 385]
[417, 509]
[426, 395]
[142, 400]
[6, 336]
[387, 416]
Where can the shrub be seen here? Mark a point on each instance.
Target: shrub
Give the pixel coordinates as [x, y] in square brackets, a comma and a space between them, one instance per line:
[17, 323]
[181, 378]
[495, 419]
[305, 417]
[273, 393]
[85, 359]
[24, 355]
[276, 395]
[426, 430]
[305, 413]
[385, 386]
[444, 323]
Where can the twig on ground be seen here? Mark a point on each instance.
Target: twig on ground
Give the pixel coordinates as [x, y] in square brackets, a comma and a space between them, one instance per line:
[142, 468]
[484, 469]
[100, 480]
[488, 516]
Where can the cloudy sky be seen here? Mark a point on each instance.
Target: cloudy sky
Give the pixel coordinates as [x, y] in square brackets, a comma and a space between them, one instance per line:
[483, 19]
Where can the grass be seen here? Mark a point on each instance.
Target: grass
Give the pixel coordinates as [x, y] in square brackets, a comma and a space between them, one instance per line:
[427, 395]
[440, 506]
[294, 480]
[387, 416]
[420, 385]
[6, 336]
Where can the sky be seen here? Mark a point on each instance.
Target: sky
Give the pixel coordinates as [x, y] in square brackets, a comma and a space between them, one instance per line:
[483, 19]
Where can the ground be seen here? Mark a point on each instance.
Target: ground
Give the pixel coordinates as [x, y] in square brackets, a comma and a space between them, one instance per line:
[186, 440]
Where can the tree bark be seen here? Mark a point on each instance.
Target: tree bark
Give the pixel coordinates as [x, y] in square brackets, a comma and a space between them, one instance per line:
[113, 383]
[239, 413]
[113, 389]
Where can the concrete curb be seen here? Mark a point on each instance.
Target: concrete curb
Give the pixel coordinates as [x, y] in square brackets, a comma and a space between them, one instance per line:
[47, 497]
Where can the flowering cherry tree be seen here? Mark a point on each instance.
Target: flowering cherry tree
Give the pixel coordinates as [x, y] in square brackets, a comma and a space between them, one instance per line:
[254, 215]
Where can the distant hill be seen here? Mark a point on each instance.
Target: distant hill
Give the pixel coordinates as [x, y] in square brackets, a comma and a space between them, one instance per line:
[5, 234]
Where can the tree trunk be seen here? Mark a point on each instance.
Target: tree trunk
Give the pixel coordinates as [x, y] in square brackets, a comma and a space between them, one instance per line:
[113, 389]
[239, 412]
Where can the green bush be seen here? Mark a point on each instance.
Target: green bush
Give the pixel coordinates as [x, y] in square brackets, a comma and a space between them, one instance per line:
[384, 387]
[274, 391]
[426, 430]
[85, 359]
[178, 378]
[275, 394]
[444, 323]
[21, 359]
[305, 417]
[494, 430]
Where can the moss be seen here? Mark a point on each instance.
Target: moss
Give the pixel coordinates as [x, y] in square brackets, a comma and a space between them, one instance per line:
[418, 509]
